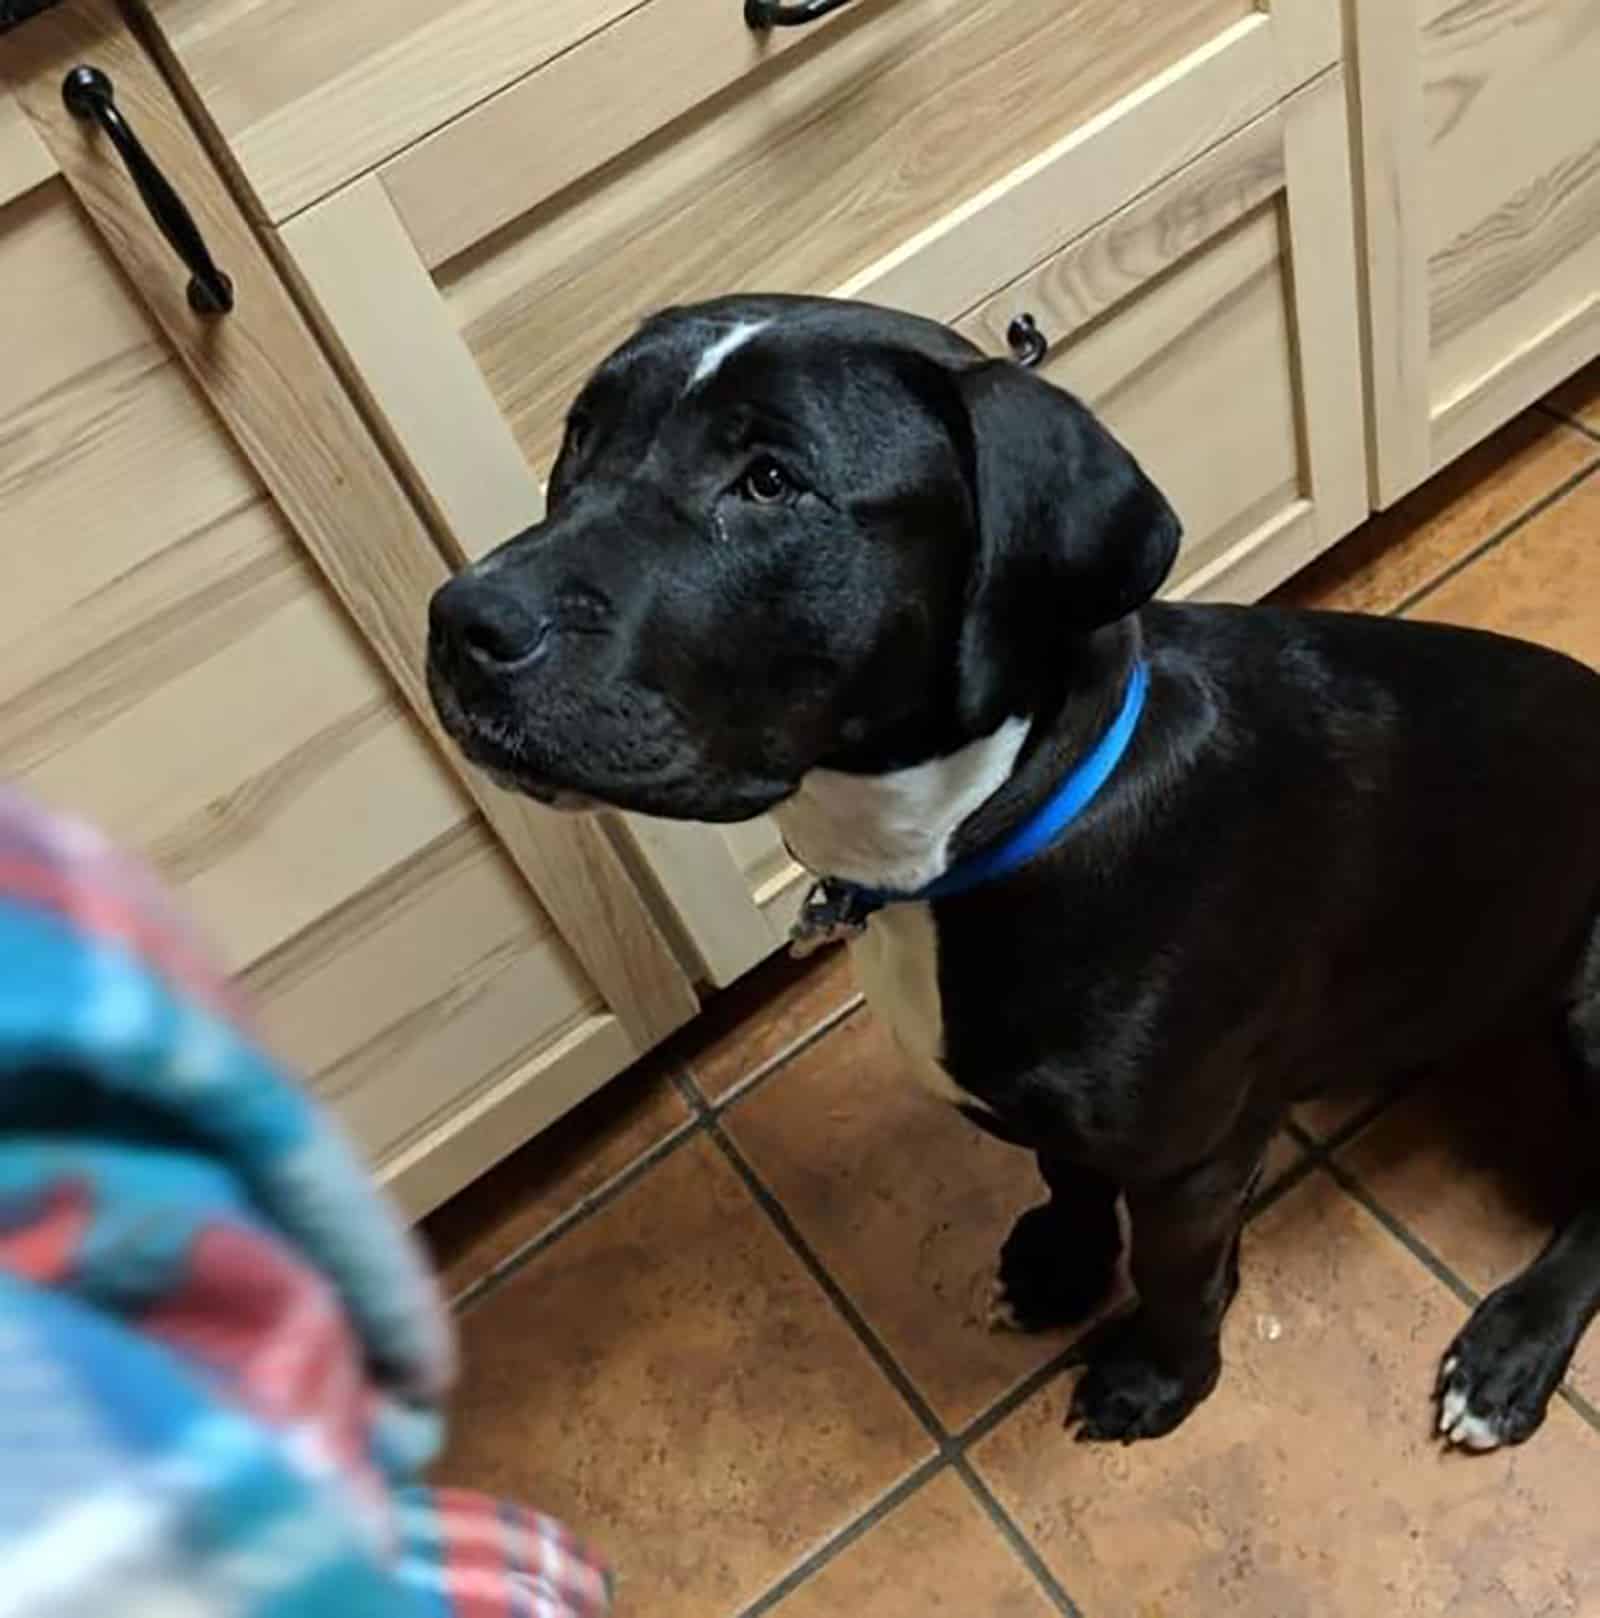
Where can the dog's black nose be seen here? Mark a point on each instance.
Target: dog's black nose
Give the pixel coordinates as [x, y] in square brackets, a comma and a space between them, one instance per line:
[476, 619]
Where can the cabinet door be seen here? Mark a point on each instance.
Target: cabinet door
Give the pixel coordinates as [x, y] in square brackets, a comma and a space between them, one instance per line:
[501, 257]
[176, 665]
[1480, 133]
[1213, 322]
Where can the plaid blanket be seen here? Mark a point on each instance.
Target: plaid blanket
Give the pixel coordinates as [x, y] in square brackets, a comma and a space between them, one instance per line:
[222, 1358]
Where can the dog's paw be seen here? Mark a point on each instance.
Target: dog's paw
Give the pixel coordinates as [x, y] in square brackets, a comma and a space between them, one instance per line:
[1126, 1393]
[1498, 1376]
[1051, 1274]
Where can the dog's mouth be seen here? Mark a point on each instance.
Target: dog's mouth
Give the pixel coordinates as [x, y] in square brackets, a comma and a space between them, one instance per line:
[660, 786]
[498, 752]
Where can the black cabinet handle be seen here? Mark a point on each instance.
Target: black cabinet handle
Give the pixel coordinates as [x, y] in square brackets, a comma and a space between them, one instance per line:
[1029, 345]
[763, 14]
[89, 95]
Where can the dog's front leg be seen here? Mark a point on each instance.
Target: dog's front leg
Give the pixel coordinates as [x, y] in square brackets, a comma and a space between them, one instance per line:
[1145, 1371]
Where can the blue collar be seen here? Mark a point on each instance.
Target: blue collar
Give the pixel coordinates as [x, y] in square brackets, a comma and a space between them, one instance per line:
[836, 909]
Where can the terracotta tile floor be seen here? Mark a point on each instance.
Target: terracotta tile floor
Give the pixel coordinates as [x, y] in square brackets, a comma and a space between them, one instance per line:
[727, 1318]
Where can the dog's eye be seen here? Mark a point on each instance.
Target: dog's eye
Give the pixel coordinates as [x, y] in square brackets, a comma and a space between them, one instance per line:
[765, 483]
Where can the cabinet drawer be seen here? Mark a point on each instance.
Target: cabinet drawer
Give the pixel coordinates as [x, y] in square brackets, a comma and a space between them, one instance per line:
[800, 180]
[307, 95]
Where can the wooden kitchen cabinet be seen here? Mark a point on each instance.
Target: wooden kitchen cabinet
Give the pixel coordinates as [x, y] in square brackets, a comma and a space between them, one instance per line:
[948, 158]
[1480, 139]
[212, 617]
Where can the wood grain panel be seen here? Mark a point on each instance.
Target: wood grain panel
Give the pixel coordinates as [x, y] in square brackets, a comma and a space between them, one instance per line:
[584, 109]
[659, 63]
[1195, 373]
[309, 94]
[425, 990]
[24, 159]
[1388, 86]
[1088, 174]
[844, 154]
[1512, 177]
[1144, 240]
[158, 610]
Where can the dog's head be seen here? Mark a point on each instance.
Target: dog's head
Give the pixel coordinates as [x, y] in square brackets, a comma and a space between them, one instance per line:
[786, 533]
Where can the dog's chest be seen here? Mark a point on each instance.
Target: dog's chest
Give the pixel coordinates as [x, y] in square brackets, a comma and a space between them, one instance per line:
[896, 962]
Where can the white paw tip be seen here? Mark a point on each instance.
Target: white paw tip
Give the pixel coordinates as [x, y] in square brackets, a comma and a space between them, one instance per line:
[1452, 1408]
[1475, 1433]
[1002, 1314]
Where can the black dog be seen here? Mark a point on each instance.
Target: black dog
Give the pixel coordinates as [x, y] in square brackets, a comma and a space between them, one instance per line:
[827, 560]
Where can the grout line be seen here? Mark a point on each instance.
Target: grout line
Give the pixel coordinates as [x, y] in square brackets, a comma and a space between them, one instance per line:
[692, 1096]
[951, 1448]
[1301, 1136]
[1495, 540]
[1362, 1119]
[1546, 408]
[1585, 1410]
[753, 1081]
[1417, 1248]
[1436, 1266]
[1021, 1546]
[885, 1506]
[869, 1339]
[584, 1209]
[1297, 1172]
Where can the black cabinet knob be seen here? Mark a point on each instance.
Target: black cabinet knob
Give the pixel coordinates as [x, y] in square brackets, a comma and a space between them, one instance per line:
[89, 95]
[1029, 345]
[763, 14]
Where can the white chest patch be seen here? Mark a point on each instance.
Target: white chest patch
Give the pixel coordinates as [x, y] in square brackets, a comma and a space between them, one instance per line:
[893, 831]
[896, 962]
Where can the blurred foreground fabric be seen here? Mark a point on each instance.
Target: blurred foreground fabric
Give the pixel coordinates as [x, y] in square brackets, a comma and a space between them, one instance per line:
[222, 1357]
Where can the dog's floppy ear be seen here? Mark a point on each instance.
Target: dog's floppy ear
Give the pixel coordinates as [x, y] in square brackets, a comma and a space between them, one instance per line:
[1071, 535]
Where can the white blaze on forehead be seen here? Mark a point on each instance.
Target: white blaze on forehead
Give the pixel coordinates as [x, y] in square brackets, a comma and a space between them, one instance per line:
[728, 343]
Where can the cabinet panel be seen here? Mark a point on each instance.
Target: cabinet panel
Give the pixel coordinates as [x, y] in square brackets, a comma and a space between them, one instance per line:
[1482, 171]
[438, 987]
[804, 181]
[307, 94]
[171, 662]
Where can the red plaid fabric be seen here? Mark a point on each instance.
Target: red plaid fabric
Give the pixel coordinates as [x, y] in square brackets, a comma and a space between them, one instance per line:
[467, 1556]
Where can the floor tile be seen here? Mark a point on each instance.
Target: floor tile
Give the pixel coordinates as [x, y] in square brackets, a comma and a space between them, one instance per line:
[1323, 1118]
[1406, 548]
[765, 1014]
[529, 1190]
[1580, 397]
[1482, 1162]
[906, 1204]
[936, 1554]
[669, 1380]
[1309, 1485]
[1543, 583]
